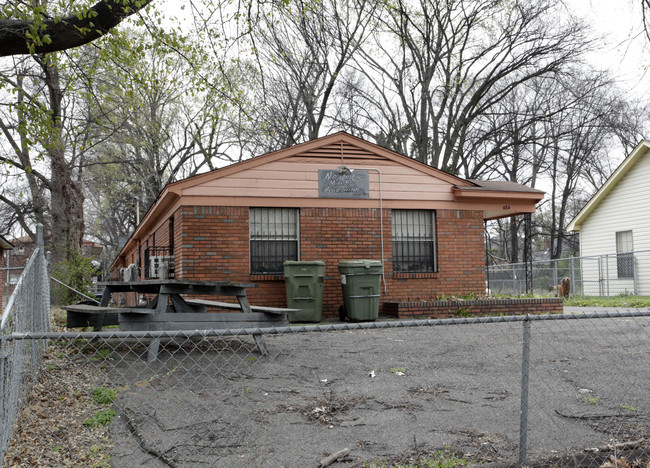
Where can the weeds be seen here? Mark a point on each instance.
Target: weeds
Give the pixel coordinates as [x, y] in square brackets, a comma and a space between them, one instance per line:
[104, 396]
[439, 459]
[100, 418]
[100, 355]
[592, 399]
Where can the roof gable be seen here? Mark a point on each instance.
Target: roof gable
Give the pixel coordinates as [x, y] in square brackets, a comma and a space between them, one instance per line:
[617, 176]
[339, 146]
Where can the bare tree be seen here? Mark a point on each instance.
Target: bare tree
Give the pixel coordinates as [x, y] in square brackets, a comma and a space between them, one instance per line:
[302, 50]
[36, 128]
[156, 127]
[447, 65]
[565, 131]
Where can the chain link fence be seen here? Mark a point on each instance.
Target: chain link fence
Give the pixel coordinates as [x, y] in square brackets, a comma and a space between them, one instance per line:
[559, 390]
[602, 275]
[28, 310]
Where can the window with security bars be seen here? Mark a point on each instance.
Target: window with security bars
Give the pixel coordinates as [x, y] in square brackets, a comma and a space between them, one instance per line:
[273, 238]
[624, 255]
[414, 241]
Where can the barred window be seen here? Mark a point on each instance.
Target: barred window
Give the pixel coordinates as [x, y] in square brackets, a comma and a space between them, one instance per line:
[273, 238]
[624, 255]
[414, 241]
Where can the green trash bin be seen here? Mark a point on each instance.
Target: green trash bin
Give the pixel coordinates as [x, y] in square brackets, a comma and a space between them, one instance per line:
[361, 282]
[304, 282]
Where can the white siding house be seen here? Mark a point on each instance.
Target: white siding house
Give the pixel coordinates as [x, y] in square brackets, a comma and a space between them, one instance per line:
[614, 223]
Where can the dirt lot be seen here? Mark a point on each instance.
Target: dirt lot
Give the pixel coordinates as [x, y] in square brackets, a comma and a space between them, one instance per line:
[389, 395]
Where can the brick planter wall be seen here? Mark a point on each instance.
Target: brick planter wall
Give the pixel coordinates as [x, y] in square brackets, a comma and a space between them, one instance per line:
[473, 308]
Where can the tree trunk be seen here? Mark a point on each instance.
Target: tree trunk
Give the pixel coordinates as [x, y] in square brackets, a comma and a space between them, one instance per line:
[36, 190]
[67, 197]
[514, 241]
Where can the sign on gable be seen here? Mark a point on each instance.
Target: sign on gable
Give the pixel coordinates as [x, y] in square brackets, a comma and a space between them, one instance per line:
[348, 184]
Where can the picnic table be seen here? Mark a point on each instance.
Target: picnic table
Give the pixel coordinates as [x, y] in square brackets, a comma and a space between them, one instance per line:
[168, 308]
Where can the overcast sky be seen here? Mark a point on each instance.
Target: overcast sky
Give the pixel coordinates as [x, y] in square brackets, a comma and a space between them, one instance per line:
[626, 51]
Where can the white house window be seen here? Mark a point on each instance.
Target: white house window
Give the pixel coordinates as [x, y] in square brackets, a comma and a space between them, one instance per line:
[624, 255]
[414, 241]
[273, 238]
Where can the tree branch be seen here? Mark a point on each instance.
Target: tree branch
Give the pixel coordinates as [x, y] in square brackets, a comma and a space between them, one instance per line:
[65, 33]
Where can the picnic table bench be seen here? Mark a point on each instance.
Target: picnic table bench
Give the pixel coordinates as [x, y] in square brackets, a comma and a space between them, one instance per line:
[169, 310]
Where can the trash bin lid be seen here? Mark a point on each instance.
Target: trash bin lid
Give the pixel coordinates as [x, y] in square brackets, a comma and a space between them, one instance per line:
[305, 263]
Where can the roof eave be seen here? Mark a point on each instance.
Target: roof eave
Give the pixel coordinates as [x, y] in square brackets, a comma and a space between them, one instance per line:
[610, 183]
[5, 244]
[166, 199]
[461, 194]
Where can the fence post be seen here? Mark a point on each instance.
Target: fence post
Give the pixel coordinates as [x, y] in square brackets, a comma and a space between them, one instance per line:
[528, 253]
[607, 273]
[634, 278]
[3, 426]
[39, 236]
[523, 412]
[600, 276]
[38, 310]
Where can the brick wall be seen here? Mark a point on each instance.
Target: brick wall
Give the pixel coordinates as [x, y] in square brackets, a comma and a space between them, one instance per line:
[212, 244]
[16, 258]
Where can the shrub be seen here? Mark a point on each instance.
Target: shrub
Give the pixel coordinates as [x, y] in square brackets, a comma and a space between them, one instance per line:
[76, 273]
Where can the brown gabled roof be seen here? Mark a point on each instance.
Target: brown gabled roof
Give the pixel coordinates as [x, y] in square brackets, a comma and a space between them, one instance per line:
[300, 148]
[5, 244]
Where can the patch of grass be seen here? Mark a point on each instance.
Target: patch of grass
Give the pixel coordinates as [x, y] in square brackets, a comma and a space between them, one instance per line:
[592, 399]
[99, 455]
[439, 459]
[104, 396]
[251, 359]
[626, 407]
[100, 418]
[463, 312]
[100, 355]
[79, 343]
[395, 370]
[613, 301]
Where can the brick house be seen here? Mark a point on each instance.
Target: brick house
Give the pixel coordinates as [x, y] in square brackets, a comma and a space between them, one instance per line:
[16, 259]
[335, 198]
[4, 245]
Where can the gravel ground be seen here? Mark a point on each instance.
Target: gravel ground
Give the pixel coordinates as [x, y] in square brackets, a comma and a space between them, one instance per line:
[388, 395]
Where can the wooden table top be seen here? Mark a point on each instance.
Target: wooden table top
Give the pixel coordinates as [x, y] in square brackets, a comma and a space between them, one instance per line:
[179, 282]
